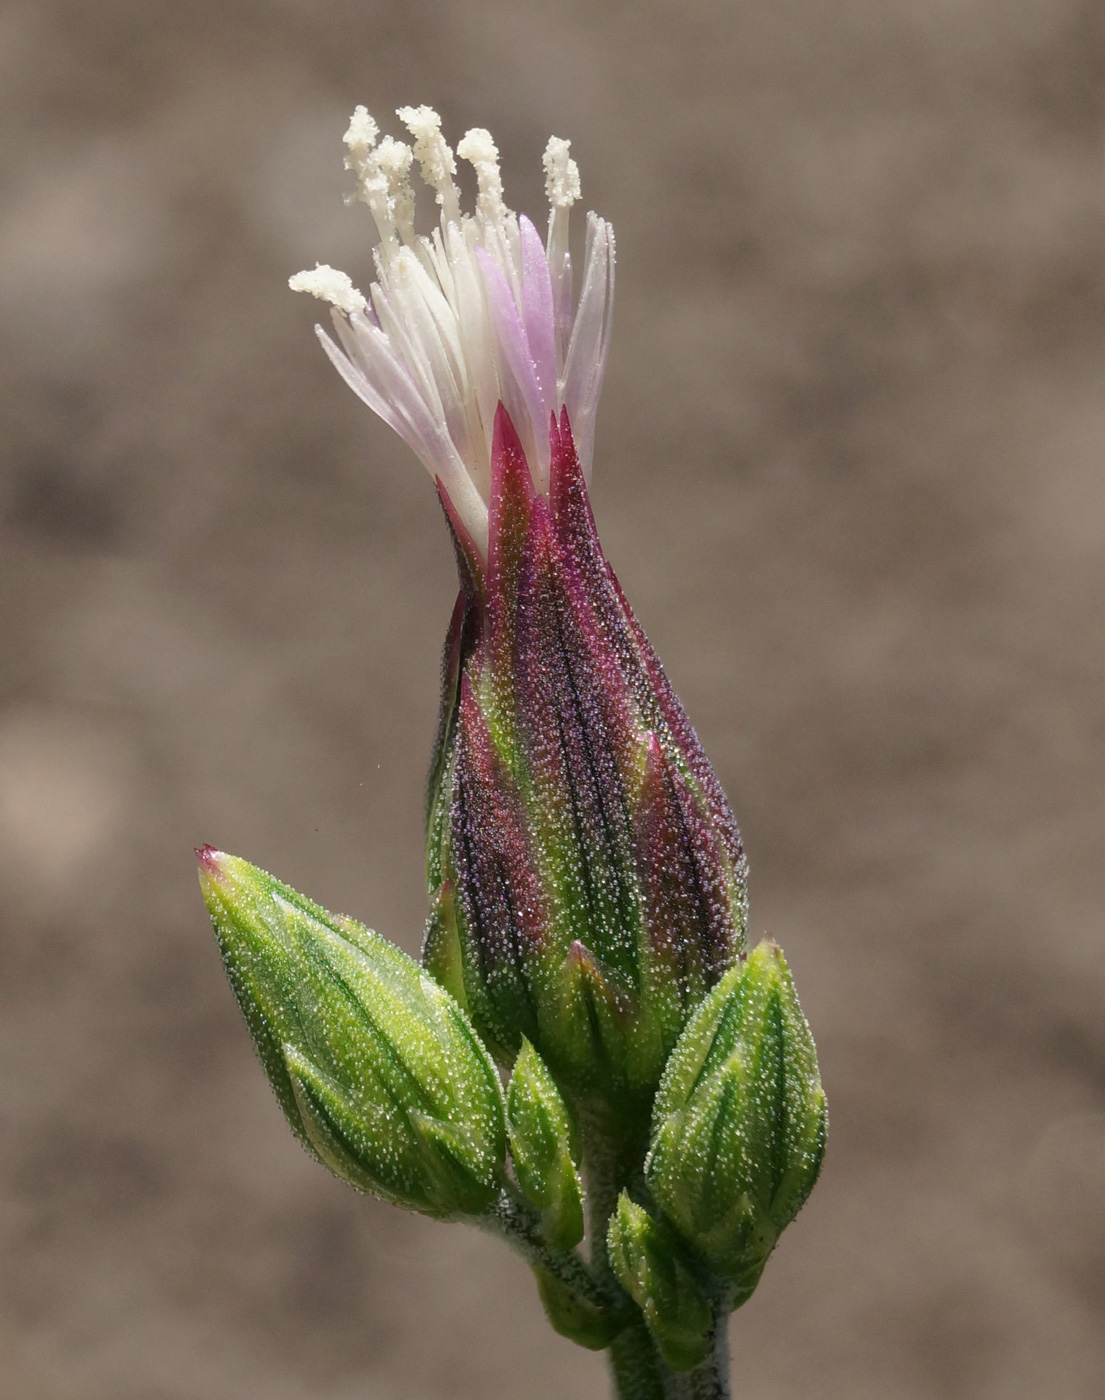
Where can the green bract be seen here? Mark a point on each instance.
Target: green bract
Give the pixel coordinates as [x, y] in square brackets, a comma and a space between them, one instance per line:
[544, 1145]
[581, 1320]
[739, 1121]
[376, 1067]
[645, 1257]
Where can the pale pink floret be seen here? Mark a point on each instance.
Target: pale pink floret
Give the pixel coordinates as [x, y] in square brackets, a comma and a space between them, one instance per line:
[477, 313]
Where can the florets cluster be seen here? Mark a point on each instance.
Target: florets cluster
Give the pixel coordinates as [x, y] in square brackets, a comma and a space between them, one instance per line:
[475, 313]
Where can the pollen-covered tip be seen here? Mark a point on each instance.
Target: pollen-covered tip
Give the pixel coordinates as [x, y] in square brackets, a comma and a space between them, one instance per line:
[739, 1122]
[330, 285]
[376, 1067]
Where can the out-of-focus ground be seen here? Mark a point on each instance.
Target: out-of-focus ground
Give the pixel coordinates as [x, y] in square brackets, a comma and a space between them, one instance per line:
[851, 471]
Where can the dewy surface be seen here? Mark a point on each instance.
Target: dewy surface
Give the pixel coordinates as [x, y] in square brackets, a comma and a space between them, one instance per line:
[586, 875]
[851, 442]
[477, 312]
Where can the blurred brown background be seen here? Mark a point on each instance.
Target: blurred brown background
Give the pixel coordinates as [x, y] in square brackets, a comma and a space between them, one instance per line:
[850, 471]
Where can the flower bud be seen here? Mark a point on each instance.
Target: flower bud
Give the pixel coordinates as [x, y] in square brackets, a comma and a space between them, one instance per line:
[646, 1259]
[544, 1146]
[378, 1071]
[586, 873]
[739, 1122]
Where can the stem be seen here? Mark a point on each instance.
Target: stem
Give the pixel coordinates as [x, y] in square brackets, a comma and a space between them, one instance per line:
[710, 1380]
[639, 1371]
[636, 1365]
[516, 1222]
[634, 1362]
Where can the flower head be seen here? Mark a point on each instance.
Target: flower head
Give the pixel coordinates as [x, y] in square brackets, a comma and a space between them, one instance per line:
[586, 875]
[477, 313]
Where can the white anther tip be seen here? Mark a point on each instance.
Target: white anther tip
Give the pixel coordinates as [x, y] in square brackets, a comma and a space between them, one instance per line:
[330, 285]
[362, 133]
[561, 174]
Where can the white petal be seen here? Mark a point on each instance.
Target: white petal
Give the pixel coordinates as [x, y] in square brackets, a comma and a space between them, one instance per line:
[586, 360]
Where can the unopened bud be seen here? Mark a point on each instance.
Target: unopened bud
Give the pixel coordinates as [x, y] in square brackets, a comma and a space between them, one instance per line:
[544, 1146]
[376, 1067]
[739, 1121]
[645, 1256]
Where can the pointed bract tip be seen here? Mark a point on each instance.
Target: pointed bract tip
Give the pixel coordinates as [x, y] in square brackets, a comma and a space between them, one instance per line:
[210, 859]
[560, 433]
[768, 954]
[469, 549]
[579, 955]
[506, 446]
[582, 966]
[654, 751]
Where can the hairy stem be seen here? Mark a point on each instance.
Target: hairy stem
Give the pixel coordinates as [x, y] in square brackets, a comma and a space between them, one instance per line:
[637, 1369]
[710, 1379]
[612, 1162]
[635, 1365]
[515, 1221]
